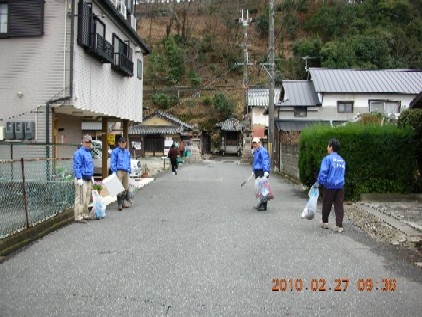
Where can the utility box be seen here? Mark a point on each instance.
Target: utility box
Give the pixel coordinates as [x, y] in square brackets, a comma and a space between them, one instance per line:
[29, 130]
[19, 130]
[10, 130]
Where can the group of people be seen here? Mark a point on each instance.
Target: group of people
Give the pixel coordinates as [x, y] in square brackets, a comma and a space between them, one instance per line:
[83, 168]
[331, 176]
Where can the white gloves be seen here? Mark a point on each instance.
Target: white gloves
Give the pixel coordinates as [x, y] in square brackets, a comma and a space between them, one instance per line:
[316, 185]
[253, 174]
[266, 174]
[80, 182]
[92, 180]
[114, 173]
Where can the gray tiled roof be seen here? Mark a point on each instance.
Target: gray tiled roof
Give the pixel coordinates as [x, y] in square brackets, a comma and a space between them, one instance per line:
[177, 126]
[169, 117]
[230, 124]
[299, 93]
[405, 81]
[259, 96]
[153, 129]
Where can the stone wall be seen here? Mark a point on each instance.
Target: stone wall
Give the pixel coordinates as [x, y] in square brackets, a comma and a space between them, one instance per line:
[290, 159]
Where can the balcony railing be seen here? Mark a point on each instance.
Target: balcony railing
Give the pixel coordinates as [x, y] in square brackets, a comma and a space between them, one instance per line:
[123, 64]
[102, 49]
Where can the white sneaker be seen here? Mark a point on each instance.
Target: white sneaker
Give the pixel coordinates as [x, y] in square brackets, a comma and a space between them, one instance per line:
[339, 229]
[173, 173]
[324, 225]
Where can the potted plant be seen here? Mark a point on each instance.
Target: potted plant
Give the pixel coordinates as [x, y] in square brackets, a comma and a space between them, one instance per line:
[98, 186]
[145, 170]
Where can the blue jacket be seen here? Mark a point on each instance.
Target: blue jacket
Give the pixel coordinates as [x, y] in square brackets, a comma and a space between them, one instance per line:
[83, 165]
[261, 160]
[331, 173]
[120, 160]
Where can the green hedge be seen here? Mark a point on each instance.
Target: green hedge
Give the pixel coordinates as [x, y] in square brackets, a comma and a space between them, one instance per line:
[379, 159]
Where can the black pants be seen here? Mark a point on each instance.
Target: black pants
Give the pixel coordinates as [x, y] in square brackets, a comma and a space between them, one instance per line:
[331, 196]
[173, 165]
[260, 173]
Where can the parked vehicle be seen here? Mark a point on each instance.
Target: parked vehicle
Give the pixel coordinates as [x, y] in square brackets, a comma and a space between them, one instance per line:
[97, 157]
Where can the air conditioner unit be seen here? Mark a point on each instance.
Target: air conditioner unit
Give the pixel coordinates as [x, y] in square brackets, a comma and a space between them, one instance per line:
[132, 22]
[10, 130]
[2, 133]
[115, 3]
[29, 130]
[19, 130]
[122, 9]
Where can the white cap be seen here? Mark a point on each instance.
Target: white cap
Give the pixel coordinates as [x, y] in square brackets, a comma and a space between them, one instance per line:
[256, 140]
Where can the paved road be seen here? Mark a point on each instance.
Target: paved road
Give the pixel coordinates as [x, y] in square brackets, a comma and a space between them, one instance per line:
[194, 246]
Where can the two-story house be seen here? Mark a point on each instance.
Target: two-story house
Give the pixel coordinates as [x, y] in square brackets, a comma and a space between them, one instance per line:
[64, 62]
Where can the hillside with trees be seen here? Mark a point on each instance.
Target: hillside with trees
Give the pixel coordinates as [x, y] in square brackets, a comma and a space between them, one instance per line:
[195, 70]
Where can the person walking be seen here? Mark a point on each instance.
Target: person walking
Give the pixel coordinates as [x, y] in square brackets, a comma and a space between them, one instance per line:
[182, 148]
[331, 176]
[83, 168]
[261, 165]
[120, 166]
[172, 155]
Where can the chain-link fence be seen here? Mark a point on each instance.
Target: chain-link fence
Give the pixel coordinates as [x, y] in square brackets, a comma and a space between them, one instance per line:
[34, 189]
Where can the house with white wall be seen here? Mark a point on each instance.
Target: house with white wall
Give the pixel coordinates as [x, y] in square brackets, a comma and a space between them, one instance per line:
[66, 62]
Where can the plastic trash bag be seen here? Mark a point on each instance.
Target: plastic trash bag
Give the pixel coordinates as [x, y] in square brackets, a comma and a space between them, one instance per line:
[263, 191]
[130, 196]
[99, 205]
[311, 206]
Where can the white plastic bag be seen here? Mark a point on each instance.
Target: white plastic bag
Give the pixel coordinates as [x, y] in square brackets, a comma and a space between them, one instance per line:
[99, 205]
[311, 206]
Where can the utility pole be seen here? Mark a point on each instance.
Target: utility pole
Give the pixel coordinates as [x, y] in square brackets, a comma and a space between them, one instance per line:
[247, 139]
[271, 86]
[244, 20]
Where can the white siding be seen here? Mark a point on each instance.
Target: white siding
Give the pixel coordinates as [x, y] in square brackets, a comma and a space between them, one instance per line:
[33, 66]
[102, 90]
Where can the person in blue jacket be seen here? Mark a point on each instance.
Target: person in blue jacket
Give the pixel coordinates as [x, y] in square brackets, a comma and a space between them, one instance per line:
[261, 165]
[331, 176]
[120, 166]
[83, 168]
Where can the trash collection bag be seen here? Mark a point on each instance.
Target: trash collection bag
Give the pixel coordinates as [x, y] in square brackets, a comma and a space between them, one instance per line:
[263, 191]
[130, 196]
[311, 206]
[99, 205]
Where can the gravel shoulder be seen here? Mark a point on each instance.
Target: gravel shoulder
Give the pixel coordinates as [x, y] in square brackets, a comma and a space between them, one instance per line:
[410, 246]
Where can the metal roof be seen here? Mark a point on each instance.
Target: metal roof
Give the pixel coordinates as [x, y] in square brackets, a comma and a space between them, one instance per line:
[230, 124]
[403, 81]
[95, 125]
[297, 125]
[417, 102]
[299, 93]
[259, 96]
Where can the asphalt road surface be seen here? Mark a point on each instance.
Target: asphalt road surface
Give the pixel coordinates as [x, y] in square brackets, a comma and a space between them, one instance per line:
[193, 245]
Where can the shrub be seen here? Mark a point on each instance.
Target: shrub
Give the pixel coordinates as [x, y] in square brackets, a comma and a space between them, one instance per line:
[379, 159]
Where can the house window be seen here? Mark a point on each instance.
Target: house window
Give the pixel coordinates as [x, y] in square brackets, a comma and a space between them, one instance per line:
[384, 106]
[301, 112]
[21, 18]
[139, 69]
[122, 56]
[345, 107]
[4, 13]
